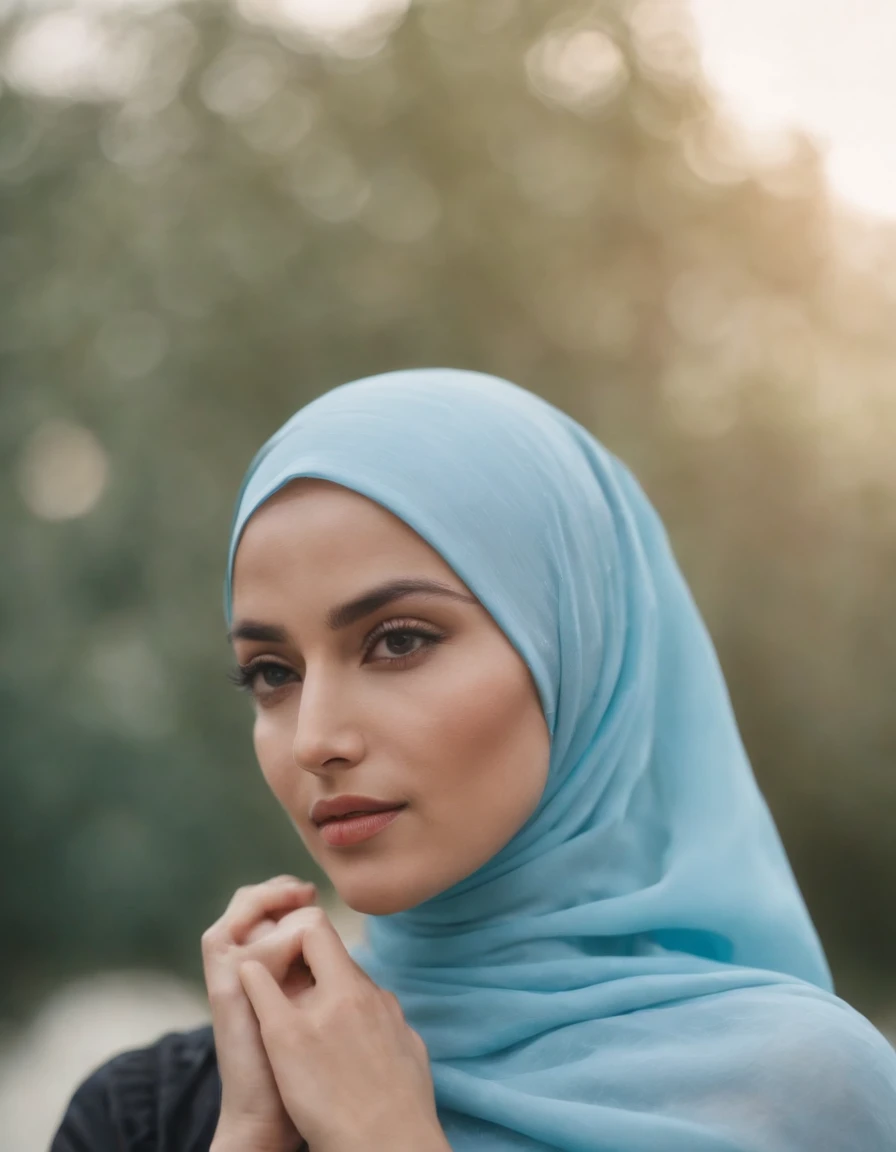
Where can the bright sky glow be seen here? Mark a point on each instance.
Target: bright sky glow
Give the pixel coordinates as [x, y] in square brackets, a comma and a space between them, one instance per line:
[825, 66]
[337, 23]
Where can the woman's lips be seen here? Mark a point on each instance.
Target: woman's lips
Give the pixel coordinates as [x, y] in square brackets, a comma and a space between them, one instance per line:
[346, 830]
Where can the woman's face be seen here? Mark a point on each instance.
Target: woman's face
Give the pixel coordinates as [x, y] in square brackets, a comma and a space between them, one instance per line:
[408, 696]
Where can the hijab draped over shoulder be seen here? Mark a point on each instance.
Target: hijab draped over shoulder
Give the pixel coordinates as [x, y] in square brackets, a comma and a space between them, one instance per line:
[635, 971]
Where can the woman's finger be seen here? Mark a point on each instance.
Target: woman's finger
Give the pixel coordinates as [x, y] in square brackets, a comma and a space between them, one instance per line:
[254, 902]
[265, 995]
[324, 952]
[284, 952]
[259, 930]
[271, 898]
[263, 927]
[280, 949]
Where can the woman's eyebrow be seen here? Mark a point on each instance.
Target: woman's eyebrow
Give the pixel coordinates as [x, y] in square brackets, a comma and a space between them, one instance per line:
[349, 613]
[343, 615]
[254, 630]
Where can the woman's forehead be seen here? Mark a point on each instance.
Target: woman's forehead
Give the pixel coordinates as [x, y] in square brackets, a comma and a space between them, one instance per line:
[307, 512]
[314, 534]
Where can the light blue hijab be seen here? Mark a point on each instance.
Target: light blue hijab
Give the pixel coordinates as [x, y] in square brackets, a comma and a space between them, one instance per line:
[635, 971]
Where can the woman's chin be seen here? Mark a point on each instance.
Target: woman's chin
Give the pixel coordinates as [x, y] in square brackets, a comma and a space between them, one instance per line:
[374, 901]
[392, 890]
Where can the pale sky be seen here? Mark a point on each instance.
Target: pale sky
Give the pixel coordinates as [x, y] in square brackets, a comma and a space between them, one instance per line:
[827, 66]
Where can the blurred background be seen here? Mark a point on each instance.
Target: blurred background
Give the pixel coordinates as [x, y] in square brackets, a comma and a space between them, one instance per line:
[676, 221]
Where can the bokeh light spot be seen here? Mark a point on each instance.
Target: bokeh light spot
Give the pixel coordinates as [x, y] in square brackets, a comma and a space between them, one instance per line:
[63, 471]
[74, 55]
[580, 68]
[351, 28]
[237, 84]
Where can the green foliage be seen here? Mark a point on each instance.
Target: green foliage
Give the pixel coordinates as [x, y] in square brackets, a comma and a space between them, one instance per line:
[540, 190]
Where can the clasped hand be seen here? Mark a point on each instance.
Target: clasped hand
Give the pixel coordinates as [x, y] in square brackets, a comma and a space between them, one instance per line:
[309, 1048]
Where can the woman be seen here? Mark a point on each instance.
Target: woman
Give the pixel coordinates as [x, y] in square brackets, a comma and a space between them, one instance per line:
[488, 704]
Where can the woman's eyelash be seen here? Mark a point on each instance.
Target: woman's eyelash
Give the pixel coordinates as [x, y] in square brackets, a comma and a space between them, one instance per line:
[242, 677]
[403, 628]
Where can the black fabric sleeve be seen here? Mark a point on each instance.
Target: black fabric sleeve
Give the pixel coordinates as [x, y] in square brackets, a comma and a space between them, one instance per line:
[163, 1098]
[87, 1125]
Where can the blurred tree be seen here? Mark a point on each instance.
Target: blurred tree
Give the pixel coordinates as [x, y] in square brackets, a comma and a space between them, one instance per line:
[216, 213]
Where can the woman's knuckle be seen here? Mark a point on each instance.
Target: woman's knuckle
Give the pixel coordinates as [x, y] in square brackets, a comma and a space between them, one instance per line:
[237, 901]
[259, 931]
[308, 918]
[358, 1000]
[212, 939]
[316, 1026]
[283, 878]
[221, 994]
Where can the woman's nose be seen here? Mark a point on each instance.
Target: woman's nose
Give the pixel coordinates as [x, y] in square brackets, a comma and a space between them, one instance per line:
[326, 735]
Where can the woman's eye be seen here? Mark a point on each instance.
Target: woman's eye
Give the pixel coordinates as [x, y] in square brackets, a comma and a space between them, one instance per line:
[263, 678]
[402, 642]
[274, 675]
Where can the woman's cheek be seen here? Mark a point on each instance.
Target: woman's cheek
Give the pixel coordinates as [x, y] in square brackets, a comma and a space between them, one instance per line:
[488, 704]
[273, 751]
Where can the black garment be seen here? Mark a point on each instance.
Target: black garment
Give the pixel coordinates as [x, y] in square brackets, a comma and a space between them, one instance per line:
[164, 1098]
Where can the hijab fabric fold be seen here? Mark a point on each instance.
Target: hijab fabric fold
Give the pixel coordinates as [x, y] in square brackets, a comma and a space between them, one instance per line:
[635, 971]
